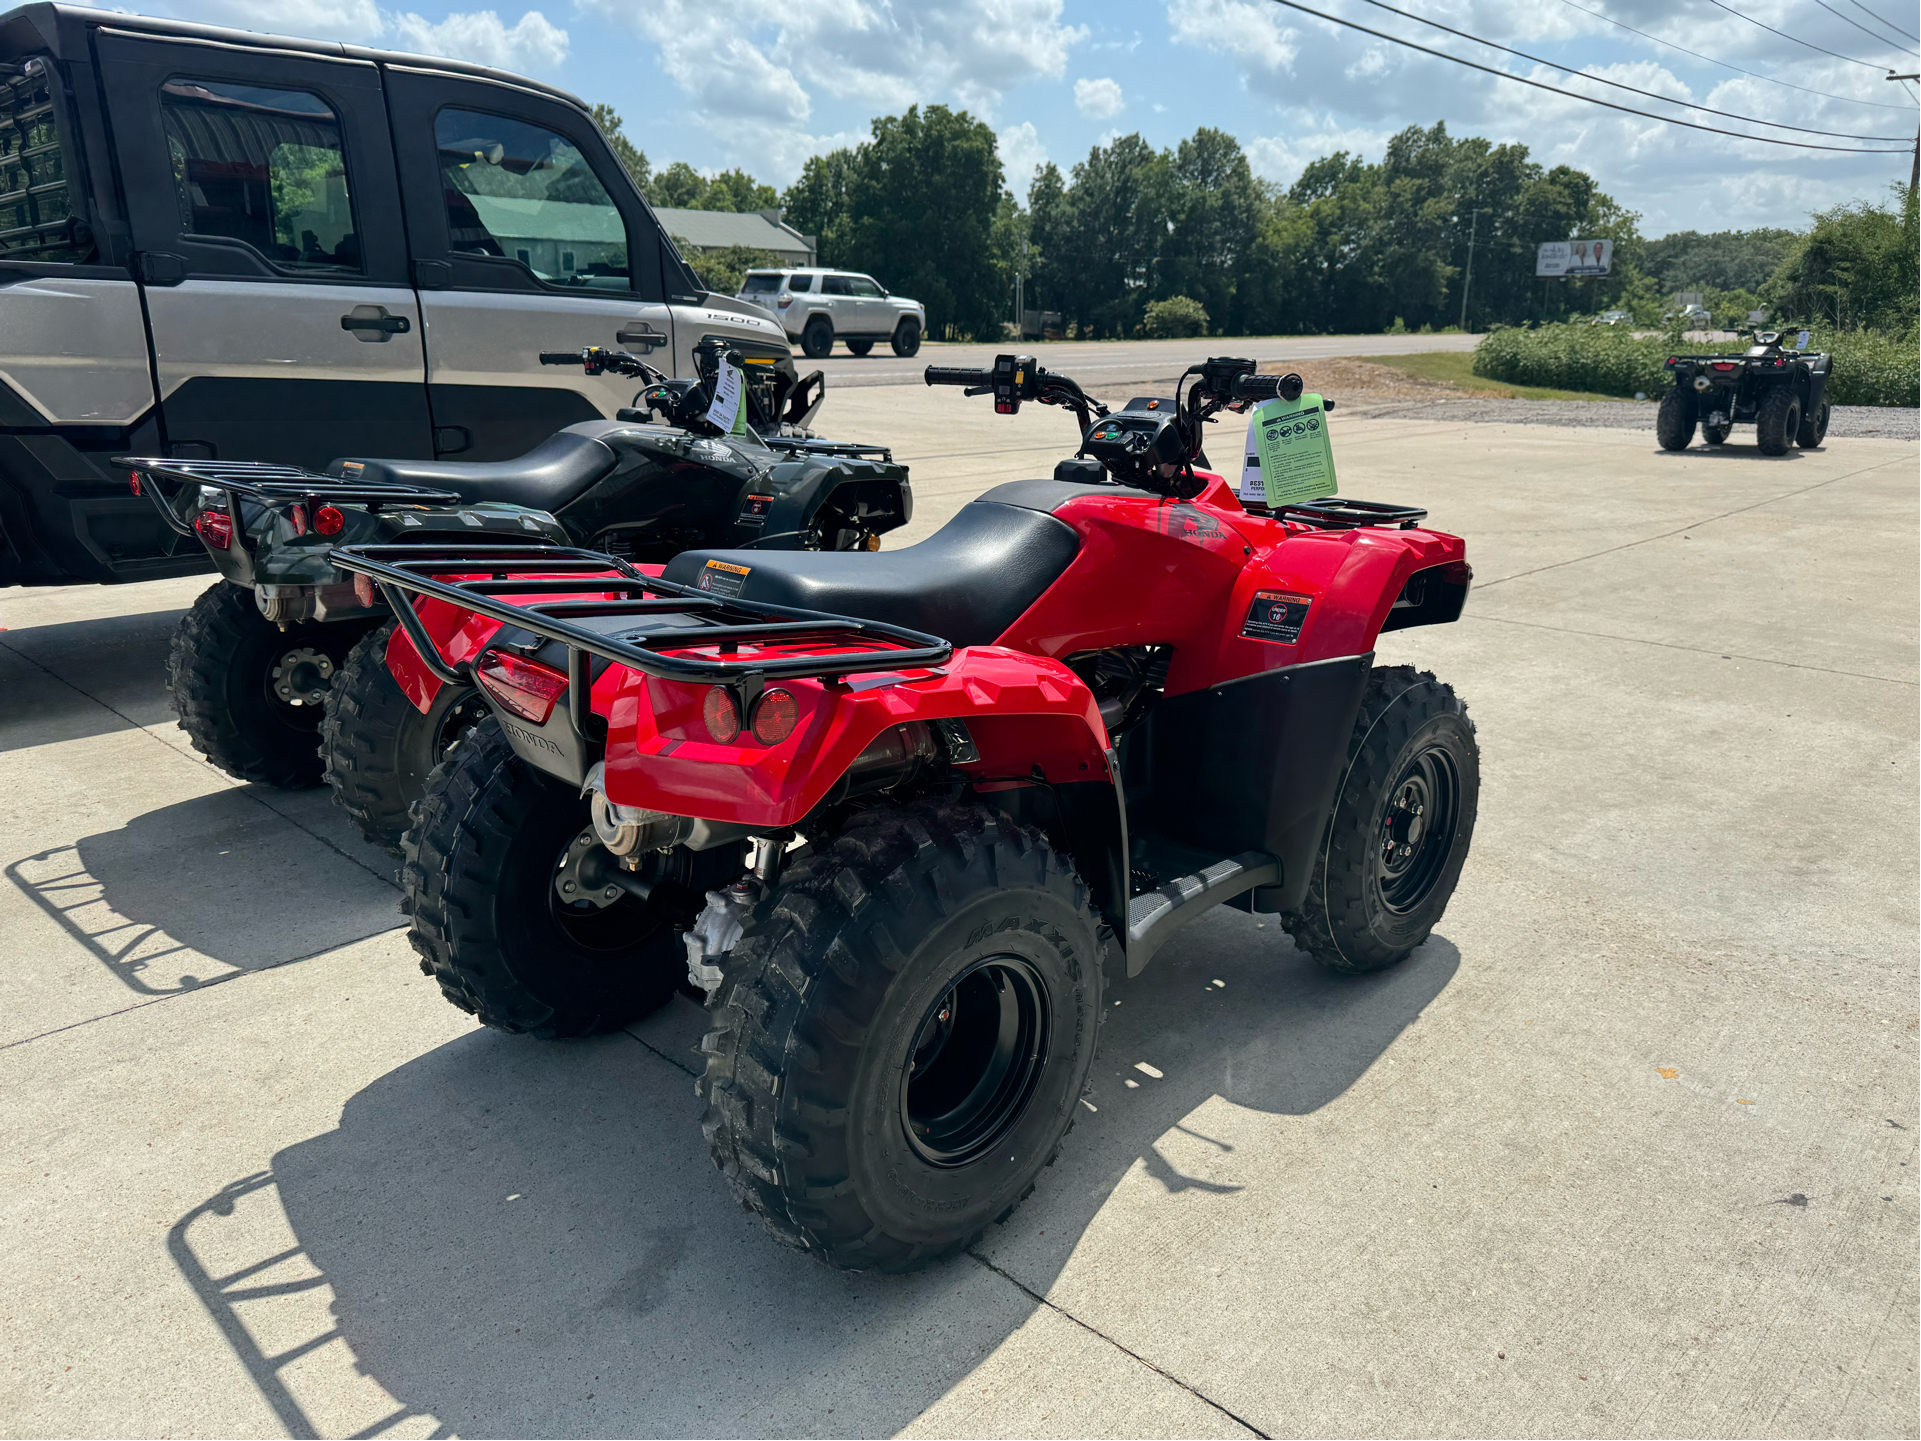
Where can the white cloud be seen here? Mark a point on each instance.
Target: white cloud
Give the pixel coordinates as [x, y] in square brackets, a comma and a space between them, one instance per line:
[531, 43]
[1098, 99]
[1022, 154]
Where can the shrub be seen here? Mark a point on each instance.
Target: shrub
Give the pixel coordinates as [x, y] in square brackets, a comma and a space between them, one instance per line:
[1175, 318]
[1869, 368]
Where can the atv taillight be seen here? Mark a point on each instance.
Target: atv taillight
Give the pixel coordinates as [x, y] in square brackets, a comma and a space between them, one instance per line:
[775, 716]
[1725, 365]
[133, 482]
[527, 688]
[215, 527]
[297, 518]
[328, 521]
[721, 714]
[364, 590]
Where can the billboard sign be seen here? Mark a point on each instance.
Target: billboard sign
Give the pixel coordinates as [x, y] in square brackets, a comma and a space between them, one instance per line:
[1574, 257]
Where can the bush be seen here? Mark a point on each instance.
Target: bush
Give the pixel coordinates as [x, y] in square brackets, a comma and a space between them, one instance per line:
[721, 270]
[1175, 318]
[1869, 368]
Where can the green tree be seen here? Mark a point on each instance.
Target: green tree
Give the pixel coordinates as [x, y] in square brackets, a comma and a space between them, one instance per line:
[816, 204]
[739, 191]
[1718, 260]
[1856, 268]
[679, 187]
[720, 270]
[630, 156]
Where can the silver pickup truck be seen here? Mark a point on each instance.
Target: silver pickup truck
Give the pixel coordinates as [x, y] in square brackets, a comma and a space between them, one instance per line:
[222, 245]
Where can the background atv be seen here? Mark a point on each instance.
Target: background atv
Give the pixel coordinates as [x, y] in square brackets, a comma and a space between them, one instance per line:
[975, 782]
[251, 674]
[1783, 392]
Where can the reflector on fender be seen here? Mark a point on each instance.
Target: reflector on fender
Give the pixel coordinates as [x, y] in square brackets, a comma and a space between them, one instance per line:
[527, 688]
[775, 716]
[721, 714]
[215, 528]
[328, 520]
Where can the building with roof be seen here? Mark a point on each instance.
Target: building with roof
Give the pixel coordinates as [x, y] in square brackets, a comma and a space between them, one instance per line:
[701, 230]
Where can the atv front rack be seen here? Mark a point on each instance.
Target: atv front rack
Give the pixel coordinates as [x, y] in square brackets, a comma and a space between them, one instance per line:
[726, 623]
[1336, 513]
[844, 449]
[266, 483]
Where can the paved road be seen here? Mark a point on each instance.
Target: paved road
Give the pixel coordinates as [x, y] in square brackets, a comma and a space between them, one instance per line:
[1628, 1148]
[1114, 361]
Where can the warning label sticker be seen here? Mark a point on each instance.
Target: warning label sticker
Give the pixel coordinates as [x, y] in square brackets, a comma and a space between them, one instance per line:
[1277, 616]
[720, 578]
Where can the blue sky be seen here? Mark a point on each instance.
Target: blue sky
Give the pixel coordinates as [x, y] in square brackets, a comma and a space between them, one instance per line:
[762, 85]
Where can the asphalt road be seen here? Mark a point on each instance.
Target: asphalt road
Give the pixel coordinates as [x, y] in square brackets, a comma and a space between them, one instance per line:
[1626, 1149]
[1108, 362]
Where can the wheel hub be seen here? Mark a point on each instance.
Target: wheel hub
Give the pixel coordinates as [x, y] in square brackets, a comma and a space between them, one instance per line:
[571, 887]
[975, 1060]
[302, 677]
[1417, 830]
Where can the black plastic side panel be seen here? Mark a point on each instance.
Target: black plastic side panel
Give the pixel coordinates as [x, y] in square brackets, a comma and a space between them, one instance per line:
[1251, 766]
[504, 421]
[241, 418]
[1434, 596]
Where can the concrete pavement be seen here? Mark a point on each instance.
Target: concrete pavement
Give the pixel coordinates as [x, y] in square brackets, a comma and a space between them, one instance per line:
[1627, 1148]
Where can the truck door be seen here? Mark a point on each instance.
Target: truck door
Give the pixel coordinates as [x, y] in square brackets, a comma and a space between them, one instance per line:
[528, 237]
[265, 213]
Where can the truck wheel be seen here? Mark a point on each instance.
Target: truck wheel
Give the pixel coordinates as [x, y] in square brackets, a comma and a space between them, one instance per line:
[1778, 421]
[376, 745]
[1674, 422]
[491, 846]
[248, 693]
[860, 347]
[907, 337]
[1814, 428]
[902, 1035]
[1399, 832]
[817, 340]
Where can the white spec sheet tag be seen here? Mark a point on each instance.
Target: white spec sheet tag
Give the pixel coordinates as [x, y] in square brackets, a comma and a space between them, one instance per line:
[728, 411]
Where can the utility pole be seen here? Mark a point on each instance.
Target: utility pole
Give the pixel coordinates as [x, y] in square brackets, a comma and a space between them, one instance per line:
[1914, 175]
[1473, 228]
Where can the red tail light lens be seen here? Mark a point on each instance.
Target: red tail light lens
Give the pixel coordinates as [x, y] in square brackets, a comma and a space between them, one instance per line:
[721, 714]
[297, 518]
[527, 688]
[364, 590]
[215, 527]
[1724, 365]
[133, 482]
[328, 521]
[775, 716]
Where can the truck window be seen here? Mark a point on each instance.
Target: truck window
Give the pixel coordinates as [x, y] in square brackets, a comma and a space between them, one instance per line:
[519, 190]
[36, 209]
[760, 282]
[864, 289]
[835, 285]
[263, 166]
[800, 284]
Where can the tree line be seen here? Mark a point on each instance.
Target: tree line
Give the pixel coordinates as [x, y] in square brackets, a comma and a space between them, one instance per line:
[1441, 231]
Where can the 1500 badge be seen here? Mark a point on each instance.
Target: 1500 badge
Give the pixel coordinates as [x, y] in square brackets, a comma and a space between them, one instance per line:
[1277, 616]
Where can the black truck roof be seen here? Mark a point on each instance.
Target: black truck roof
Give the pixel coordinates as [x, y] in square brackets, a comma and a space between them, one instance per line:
[61, 31]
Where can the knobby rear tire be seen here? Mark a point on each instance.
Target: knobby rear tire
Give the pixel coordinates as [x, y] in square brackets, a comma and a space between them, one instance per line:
[806, 1088]
[1814, 426]
[1778, 421]
[1674, 422]
[1358, 915]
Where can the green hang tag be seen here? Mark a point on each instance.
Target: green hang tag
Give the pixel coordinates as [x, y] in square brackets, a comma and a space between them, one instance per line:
[1296, 458]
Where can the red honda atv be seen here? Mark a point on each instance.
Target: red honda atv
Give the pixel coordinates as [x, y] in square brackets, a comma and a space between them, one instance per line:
[909, 814]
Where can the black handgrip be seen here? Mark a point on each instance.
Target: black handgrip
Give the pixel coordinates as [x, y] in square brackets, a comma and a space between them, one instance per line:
[560, 357]
[951, 375]
[1267, 387]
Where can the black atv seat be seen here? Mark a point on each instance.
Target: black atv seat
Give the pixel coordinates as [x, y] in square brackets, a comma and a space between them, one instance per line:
[546, 478]
[966, 583]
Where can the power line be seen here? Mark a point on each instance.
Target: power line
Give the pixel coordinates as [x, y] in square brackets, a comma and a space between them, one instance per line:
[1618, 85]
[1576, 95]
[1795, 38]
[1877, 39]
[1751, 74]
[1889, 23]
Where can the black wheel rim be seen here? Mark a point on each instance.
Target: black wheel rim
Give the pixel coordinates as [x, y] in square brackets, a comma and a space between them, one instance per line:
[975, 1062]
[1417, 830]
[610, 927]
[297, 681]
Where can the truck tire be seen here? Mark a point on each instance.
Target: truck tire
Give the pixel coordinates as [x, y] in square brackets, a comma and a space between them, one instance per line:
[907, 338]
[902, 1035]
[248, 693]
[1814, 427]
[1399, 832]
[1674, 422]
[489, 840]
[1778, 421]
[817, 339]
[376, 745]
[860, 347]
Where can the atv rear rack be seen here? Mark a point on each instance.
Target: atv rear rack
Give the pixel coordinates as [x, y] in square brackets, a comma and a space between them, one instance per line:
[1339, 513]
[266, 483]
[402, 571]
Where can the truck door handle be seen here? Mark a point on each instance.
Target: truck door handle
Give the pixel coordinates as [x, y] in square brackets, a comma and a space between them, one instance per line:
[373, 323]
[639, 333]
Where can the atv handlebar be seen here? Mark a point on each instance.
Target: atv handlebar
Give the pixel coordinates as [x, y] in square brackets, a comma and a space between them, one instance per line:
[1267, 387]
[951, 375]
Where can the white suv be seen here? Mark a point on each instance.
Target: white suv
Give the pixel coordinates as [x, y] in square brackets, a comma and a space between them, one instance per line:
[816, 307]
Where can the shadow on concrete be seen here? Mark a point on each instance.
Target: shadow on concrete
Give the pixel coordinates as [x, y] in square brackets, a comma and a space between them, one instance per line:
[203, 890]
[106, 674]
[1735, 451]
[513, 1238]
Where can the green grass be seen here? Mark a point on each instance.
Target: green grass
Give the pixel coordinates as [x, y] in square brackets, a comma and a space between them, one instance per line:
[1456, 368]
